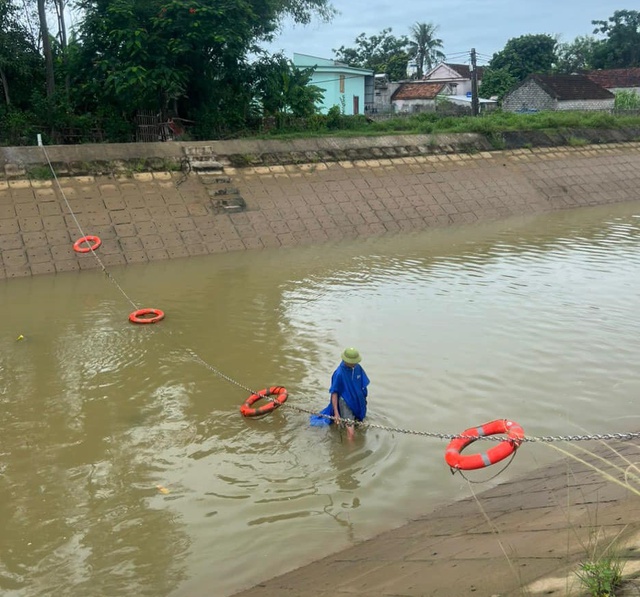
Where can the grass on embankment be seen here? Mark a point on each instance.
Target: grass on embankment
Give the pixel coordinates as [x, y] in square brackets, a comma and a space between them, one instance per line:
[432, 123]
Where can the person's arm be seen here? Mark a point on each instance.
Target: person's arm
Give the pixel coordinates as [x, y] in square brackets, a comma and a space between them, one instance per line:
[334, 403]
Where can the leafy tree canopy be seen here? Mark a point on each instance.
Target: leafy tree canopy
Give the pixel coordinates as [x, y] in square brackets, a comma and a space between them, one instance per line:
[283, 89]
[576, 56]
[621, 46]
[158, 53]
[496, 82]
[525, 55]
[384, 53]
[20, 61]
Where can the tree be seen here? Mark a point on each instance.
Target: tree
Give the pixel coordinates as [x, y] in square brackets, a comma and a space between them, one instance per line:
[621, 48]
[169, 55]
[20, 62]
[520, 57]
[425, 47]
[383, 53]
[576, 56]
[282, 89]
[525, 55]
[496, 82]
[46, 47]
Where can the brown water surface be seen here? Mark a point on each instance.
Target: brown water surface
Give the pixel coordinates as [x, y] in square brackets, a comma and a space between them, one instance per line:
[126, 468]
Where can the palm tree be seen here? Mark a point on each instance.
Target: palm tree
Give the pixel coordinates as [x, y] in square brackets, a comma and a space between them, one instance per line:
[425, 47]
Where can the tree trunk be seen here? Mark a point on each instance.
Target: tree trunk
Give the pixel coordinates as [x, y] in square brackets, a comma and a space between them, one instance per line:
[5, 86]
[46, 47]
[62, 27]
[62, 35]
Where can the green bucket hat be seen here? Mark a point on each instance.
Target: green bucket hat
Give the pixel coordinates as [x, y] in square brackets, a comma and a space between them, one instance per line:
[351, 356]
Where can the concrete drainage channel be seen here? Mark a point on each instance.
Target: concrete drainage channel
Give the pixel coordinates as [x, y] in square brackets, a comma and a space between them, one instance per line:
[225, 198]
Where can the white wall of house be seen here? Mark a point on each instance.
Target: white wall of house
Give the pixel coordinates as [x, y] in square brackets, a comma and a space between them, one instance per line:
[456, 84]
[414, 105]
[604, 104]
[617, 89]
[382, 96]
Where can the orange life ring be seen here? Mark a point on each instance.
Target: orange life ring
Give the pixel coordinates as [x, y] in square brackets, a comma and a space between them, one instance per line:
[505, 448]
[87, 239]
[279, 398]
[139, 316]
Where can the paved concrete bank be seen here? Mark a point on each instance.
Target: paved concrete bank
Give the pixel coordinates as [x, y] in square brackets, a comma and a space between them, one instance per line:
[163, 215]
[524, 537]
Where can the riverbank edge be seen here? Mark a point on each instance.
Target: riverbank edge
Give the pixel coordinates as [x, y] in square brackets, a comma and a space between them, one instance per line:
[212, 208]
[532, 533]
[128, 158]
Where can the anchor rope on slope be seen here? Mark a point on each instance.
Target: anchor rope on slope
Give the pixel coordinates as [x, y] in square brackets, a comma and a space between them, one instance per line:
[82, 233]
[104, 269]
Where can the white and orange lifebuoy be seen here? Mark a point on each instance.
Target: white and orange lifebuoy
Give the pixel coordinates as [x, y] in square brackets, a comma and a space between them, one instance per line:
[456, 460]
[279, 398]
[94, 241]
[141, 316]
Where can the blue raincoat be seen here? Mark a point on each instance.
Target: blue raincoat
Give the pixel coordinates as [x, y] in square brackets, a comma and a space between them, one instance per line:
[350, 383]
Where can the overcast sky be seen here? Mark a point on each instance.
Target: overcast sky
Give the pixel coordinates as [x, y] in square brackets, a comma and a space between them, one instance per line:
[463, 24]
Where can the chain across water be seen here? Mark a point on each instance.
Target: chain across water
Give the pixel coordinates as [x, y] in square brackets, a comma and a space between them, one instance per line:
[491, 438]
[449, 436]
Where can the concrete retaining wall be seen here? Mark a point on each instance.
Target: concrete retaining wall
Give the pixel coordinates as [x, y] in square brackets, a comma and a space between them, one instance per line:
[127, 158]
[145, 216]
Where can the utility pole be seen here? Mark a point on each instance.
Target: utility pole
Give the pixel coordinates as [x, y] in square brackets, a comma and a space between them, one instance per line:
[474, 84]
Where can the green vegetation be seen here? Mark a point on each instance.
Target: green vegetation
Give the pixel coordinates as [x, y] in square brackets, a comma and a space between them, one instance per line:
[384, 53]
[519, 58]
[627, 100]
[577, 141]
[40, 173]
[491, 124]
[425, 48]
[192, 65]
[620, 47]
[601, 577]
[601, 572]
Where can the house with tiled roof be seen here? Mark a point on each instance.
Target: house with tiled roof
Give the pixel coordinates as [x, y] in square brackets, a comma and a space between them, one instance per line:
[557, 92]
[617, 79]
[455, 77]
[416, 96]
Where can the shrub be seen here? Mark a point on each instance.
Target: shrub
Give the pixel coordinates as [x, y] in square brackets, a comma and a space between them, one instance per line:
[334, 118]
[601, 577]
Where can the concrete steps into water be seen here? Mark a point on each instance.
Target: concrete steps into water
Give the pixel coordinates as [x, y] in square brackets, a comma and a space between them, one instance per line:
[225, 198]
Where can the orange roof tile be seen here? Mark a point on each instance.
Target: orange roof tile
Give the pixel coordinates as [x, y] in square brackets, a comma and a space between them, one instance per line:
[616, 77]
[417, 91]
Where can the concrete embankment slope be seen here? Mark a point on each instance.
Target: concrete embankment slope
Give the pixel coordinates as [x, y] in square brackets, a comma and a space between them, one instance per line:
[524, 537]
[164, 214]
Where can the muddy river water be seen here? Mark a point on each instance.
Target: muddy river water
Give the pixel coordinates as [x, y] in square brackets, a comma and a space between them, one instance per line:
[127, 469]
